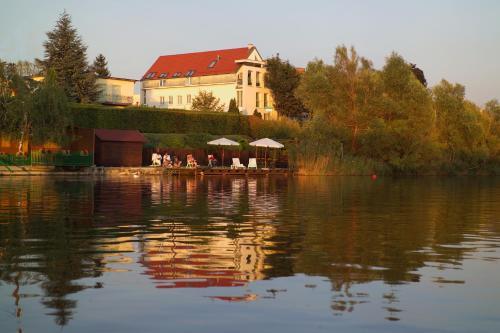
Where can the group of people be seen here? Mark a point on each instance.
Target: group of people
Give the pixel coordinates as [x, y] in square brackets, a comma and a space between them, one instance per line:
[165, 160]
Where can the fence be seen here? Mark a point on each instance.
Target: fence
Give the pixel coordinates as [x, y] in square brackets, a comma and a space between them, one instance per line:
[49, 158]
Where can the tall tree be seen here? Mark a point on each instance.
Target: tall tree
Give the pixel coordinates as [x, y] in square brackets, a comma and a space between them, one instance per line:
[283, 79]
[100, 67]
[30, 109]
[232, 106]
[343, 94]
[66, 53]
[206, 101]
[402, 132]
[460, 126]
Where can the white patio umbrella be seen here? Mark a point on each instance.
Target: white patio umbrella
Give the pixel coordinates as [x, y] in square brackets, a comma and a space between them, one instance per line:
[223, 142]
[267, 143]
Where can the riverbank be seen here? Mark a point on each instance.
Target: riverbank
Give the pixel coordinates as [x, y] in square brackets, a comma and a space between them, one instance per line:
[137, 171]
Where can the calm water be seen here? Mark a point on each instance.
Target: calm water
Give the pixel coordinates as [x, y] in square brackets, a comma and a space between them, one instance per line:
[250, 255]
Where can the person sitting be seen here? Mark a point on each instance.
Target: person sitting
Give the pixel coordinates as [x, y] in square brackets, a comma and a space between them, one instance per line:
[177, 162]
[167, 162]
[191, 162]
[156, 159]
[212, 161]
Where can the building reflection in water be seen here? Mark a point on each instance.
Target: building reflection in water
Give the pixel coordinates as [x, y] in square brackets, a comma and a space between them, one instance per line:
[220, 250]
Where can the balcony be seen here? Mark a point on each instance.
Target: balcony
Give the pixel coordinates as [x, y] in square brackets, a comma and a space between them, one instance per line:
[190, 81]
[120, 100]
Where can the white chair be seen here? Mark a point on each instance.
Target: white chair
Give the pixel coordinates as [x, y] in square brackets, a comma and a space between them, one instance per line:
[237, 164]
[252, 163]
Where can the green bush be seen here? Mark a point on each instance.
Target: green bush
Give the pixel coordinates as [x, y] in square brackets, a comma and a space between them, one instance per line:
[152, 120]
[283, 128]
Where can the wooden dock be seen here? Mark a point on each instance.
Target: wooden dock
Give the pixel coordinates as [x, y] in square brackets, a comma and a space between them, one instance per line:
[147, 170]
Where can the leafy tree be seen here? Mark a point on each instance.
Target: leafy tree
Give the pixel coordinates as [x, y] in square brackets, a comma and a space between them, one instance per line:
[29, 109]
[493, 108]
[283, 79]
[232, 106]
[50, 116]
[402, 133]
[67, 55]
[206, 101]
[419, 74]
[100, 67]
[343, 94]
[460, 127]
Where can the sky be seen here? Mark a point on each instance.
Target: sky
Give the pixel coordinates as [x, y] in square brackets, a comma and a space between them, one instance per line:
[456, 40]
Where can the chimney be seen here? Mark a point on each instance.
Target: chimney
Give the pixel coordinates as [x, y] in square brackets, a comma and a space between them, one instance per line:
[250, 46]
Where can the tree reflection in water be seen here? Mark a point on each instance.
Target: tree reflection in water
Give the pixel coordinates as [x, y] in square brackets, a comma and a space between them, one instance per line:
[228, 232]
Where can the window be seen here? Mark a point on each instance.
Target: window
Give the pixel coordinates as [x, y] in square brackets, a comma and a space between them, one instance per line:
[162, 75]
[162, 100]
[144, 94]
[249, 78]
[190, 73]
[163, 83]
[176, 74]
[212, 64]
[257, 79]
[265, 101]
[240, 78]
[170, 100]
[257, 100]
[188, 99]
[239, 98]
[179, 100]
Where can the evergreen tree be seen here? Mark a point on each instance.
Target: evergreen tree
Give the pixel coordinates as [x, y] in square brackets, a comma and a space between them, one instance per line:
[232, 106]
[100, 67]
[282, 78]
[66, 53]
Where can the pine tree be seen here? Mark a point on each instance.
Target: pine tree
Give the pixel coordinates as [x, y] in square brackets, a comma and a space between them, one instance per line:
[100, 67]
[232, 106]
[66, 53]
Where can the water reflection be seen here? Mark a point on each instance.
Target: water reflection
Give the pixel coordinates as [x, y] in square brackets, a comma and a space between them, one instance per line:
[63, 236]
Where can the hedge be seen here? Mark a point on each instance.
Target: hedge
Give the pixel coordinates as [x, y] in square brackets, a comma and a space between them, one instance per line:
[191, 140]
[152, 120]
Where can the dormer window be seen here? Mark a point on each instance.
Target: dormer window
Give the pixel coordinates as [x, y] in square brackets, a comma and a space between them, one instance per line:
[150, 75]
[163, 75]
[176, 74]
[212, 64]
[190, 73]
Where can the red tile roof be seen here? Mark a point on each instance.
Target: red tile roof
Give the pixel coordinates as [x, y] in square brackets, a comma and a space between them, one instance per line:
[120, 135]
[197, 61]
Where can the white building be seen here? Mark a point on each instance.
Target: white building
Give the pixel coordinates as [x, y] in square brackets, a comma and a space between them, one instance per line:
[116, 91]
[174, 80]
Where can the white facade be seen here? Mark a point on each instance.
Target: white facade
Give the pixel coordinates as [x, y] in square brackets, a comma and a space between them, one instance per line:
[245, 85]
[116, 91]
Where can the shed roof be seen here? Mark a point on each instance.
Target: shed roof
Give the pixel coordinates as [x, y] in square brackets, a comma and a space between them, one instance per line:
[120, 135]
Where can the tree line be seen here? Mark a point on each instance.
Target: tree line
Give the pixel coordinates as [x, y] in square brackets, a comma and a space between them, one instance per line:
[38, 109]
[387, 118]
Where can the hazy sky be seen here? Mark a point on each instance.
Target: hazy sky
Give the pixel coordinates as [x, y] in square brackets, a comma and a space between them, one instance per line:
[457, 40]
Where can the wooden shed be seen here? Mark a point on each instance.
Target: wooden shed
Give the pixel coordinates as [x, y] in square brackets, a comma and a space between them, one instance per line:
[118, 147]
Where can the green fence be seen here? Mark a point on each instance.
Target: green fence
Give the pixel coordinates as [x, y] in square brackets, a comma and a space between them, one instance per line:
[14, 160]
[59, 159]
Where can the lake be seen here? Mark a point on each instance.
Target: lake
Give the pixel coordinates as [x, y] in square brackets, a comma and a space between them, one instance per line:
[265, 254]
